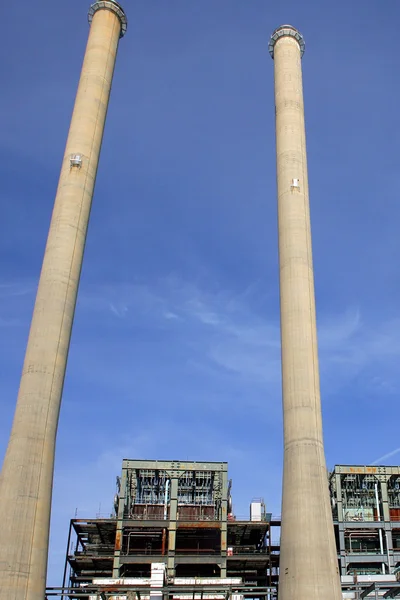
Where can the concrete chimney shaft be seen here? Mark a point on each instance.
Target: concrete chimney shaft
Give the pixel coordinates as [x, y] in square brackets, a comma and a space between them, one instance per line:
[27, 474]
[308, 561]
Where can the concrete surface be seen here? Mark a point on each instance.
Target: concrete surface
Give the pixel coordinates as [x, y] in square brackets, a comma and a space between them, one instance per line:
[27, 474]
[308, 563]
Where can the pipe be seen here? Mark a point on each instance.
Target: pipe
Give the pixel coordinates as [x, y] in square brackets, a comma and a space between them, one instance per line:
[166, 499]
[359, 534]
[129, 541]
[378, 512]
[387, 551]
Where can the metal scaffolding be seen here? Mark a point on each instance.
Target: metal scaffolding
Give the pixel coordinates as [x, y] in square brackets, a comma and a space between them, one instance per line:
[178, 515]
[366, 513]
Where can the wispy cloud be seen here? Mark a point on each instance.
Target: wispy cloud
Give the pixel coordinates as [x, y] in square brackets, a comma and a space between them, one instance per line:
[170, 315]
[14, 288]
[381, 459]
[15, 297]
[119, 311]
[230, 333]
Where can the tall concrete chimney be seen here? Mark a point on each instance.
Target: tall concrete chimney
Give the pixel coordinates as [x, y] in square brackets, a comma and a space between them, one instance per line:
[27, 475]
[308, 561]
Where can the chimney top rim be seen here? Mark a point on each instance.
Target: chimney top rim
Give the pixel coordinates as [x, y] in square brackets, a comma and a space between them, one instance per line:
[283, 31]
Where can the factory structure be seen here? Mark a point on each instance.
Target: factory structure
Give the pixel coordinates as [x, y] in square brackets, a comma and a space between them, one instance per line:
[174, 534]
[178, 517]
[366, 512]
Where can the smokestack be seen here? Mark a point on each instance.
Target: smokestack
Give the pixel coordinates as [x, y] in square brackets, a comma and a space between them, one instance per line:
[308, 560]
[27, 475]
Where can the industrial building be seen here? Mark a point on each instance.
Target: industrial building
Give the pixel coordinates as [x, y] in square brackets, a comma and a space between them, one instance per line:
[173, 534]
[178, 516]
[366, 513]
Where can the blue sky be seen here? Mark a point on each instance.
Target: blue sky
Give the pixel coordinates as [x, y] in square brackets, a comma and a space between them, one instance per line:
[175, 348]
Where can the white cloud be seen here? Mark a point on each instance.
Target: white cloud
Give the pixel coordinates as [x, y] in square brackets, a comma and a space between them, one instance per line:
[170, 315]
[15, 288]
[118, 311]
[228, 332]
[383, 458]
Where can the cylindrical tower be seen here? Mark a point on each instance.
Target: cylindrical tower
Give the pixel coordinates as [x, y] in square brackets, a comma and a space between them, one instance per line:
[27, 475]
[308, 561]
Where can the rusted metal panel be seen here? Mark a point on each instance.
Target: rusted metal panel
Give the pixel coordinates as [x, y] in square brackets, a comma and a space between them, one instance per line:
[196, 513]
[363, 469]
[118, 538]
[148, 511]
[200, 525]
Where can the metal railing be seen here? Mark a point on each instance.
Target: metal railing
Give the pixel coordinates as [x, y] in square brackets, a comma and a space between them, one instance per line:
[196, 592]
[231, 519]
[375, 552]
[197, 551]
[246, 519]
[366, 519]
[157, 517]
[232, 551]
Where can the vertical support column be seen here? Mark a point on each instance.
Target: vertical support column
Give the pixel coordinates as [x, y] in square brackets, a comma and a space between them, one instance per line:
[224, 521]
[269, 555]
[339, 497]
[27, 475]
[173, 516]
[388, 543]
[342, 549]
[123, 496]
[341, 525]
[385, 498]
[389, 547]
[308, 561]
[64, 583]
